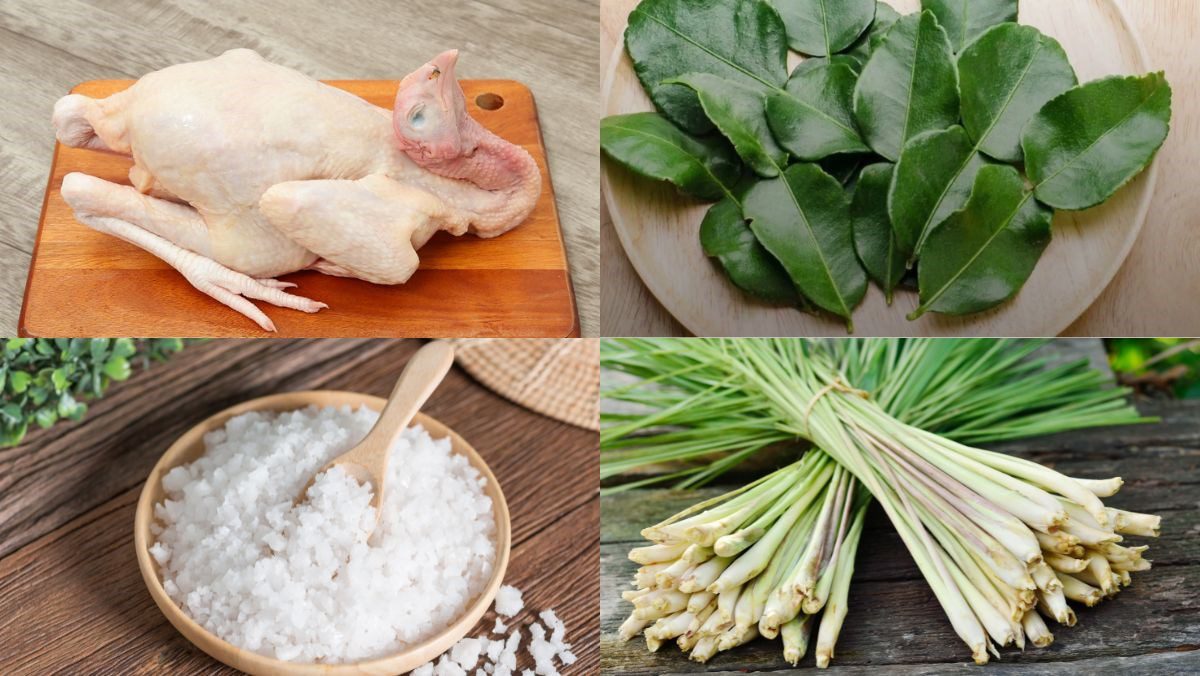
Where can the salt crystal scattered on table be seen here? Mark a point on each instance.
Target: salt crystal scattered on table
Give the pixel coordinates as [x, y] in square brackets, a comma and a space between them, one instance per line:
[508, 601]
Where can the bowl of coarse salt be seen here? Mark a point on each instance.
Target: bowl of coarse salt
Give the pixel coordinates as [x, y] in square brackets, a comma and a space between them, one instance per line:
[269, 586]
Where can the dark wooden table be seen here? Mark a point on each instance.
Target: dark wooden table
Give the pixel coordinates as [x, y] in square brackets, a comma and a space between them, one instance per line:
[895, 623]
[71, 598]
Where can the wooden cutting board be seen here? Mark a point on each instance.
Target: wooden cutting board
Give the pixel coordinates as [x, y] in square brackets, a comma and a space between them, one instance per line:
[84, 283]
[659, 229]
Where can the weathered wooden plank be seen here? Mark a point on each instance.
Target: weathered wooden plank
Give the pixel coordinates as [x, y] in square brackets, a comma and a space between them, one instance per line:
[1154, 663]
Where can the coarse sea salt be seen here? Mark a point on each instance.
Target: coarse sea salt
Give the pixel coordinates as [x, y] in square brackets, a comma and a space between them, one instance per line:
[500, 655]
[301, 582]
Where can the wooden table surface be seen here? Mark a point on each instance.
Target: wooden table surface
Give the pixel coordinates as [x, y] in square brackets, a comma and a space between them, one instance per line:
[1150, 296]
[48, 47]
[894, 620]
[71, 598]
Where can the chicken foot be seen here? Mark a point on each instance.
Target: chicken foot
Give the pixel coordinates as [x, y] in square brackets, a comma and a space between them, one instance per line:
[177, 235]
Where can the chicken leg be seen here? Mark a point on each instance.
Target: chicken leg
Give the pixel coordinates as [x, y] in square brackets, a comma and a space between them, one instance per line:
[176, 234]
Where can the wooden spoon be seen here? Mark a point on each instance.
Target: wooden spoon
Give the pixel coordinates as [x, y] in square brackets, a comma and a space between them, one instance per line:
[367, 462]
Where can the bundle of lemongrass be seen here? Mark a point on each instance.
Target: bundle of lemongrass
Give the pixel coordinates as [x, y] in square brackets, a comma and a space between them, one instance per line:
[782, 549]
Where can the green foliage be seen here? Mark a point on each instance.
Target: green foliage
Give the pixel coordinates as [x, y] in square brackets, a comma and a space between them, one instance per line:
[44, 380]
[941, 93]
[1171, 364]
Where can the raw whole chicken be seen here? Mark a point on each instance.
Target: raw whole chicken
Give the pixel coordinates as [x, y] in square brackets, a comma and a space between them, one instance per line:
[245, 170]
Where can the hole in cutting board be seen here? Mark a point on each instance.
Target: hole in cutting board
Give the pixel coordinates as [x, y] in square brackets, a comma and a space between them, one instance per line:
[489, 101]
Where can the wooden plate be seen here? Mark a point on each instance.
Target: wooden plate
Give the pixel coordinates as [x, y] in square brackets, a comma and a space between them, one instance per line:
[660, 229]
[84, 283]
[190, 446]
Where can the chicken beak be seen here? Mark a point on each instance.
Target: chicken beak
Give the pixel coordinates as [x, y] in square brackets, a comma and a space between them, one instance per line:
[442, 70]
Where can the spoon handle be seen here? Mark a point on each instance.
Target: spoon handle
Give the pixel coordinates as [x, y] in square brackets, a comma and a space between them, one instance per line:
[421, 376]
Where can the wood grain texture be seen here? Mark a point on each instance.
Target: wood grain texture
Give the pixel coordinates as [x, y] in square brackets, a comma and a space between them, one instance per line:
[71, 598]
[514, 285]
[47, 48]
[1145, 296]
[894, 621]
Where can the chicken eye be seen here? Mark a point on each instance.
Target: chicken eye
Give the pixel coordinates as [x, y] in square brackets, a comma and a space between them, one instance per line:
[416, 117]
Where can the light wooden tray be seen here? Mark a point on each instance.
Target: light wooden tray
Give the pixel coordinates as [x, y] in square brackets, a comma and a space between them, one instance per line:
[659, 229]
[84, 283]
[190, 447]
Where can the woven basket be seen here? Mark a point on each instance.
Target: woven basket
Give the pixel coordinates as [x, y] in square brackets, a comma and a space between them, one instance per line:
[557, 378]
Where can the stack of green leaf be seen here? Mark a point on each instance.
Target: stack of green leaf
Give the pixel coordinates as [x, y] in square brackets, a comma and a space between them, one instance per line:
[44, 380]
[937, 144]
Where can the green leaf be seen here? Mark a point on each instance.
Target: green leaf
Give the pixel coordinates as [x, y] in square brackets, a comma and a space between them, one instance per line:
[725, 236]
[649, 145]
[824, 27]
[885, 18]
[14, 344]
[739, 113]
[117, 368]
[964, 20]
[932, 180]
[909, 86]
[19, 381]
[803, 219]
[1083, 146]
[814, 117]
[874, 239]
[124, 347]
[845, 167]
[99, 349]
[1005, 77]
[11, 436]
[987, 251]
[45, 417]
[59, 379]
[739, 40]
[10, 413]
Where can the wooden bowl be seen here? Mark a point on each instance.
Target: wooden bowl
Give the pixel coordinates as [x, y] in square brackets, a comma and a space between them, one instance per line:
[659, 229]
[190, 446]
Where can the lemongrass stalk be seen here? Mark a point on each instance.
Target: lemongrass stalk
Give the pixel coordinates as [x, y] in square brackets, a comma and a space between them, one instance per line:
[652, 554]
[758, 557]
[632, 595]
[688, 641]
[1053, 603]
[996, 622]
[1038, 475]
[1045, 577]
[704, 650]
[836, 607]
[644, 577]
[1065, 564]
[701, 617]
[998, 523]
[1115, 552]
[1130, 566]
[697, 554]
[1102, 488]
[1057, 542]
[1003, 597]
[1134, 523]
[632, 626]
[671, 626]
[802, 494]
[1078, 590]
[735, 505]
[814, 602]
[704, 574]
[715, 624]
[766, 584]
[795, 635]
[726, 602]
[736, 636]
[1126, 580]
[669, 577]
[1036, 629]
[700, 600]
[925, 554]
[1088, 536]
[652, 644]
[804, 576]
[1102, 573]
